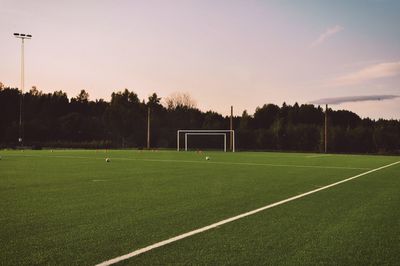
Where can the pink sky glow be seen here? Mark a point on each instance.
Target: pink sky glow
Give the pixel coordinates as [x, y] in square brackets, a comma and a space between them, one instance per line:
[240, 53]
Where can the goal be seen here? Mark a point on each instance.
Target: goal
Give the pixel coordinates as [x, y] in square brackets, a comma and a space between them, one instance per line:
[205, 132]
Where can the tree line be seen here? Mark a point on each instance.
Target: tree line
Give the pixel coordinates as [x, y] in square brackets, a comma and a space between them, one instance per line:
[54, 120]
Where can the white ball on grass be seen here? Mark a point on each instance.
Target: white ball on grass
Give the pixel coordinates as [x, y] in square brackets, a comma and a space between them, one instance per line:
[207, 158]
[107, 160]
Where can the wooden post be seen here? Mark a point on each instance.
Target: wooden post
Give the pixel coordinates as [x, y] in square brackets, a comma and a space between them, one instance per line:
[230, 133]
[326, 129]
[148, 127]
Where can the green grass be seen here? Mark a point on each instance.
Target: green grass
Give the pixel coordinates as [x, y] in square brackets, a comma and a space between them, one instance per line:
[71, 207]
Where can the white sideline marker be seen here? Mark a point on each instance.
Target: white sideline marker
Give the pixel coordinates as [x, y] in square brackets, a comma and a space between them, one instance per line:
[211, 226]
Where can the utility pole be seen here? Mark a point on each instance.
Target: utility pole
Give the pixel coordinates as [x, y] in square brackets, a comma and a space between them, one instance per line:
[326, 129]
[148, 127]
[231, 128]
[22, 36]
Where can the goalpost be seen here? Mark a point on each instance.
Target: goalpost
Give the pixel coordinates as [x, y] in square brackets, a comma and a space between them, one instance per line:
[204, 132]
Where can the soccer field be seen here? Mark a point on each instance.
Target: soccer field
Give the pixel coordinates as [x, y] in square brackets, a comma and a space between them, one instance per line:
[72, 207]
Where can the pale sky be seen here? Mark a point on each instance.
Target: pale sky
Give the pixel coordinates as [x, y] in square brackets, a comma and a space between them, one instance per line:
[241, 53]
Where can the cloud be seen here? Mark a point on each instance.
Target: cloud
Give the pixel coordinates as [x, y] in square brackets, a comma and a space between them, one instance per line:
[326, 35]
[376, 71]
[349, 99]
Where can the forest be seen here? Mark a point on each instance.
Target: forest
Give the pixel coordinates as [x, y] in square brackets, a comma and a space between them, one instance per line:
[55, 121]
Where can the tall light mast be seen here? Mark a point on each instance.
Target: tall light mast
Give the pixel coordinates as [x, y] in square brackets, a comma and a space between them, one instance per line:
[22, 36]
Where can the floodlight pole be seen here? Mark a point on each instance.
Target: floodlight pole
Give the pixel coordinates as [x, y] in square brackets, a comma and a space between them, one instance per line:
[326, 129]
[148, 127]
[22, 36]
[233, 140]
[231, 128]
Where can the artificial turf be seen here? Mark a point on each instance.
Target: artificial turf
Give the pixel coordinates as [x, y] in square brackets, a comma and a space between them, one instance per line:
[71, 207]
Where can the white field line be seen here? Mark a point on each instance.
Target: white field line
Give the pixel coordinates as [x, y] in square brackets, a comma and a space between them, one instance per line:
[318, 155]
[252, 164]
[202, 162]
[211, 226]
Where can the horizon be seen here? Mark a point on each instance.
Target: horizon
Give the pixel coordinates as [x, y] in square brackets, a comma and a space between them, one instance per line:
[223, 53]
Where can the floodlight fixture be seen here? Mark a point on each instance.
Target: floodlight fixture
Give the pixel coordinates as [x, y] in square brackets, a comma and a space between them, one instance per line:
[22, 35]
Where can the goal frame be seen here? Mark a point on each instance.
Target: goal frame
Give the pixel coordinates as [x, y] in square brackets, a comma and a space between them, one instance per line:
[205, 132]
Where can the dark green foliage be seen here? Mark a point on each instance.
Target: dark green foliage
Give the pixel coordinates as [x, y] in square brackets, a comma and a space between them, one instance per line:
[53, 119]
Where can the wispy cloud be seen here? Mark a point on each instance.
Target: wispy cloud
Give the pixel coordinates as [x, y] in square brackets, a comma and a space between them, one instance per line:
[376, 71]
[339, 100]
[326, 35]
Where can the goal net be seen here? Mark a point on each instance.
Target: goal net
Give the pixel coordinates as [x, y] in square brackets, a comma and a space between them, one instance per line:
[186, 133]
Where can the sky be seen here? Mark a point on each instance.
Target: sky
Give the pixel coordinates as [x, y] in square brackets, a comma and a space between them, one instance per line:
[241, 53]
